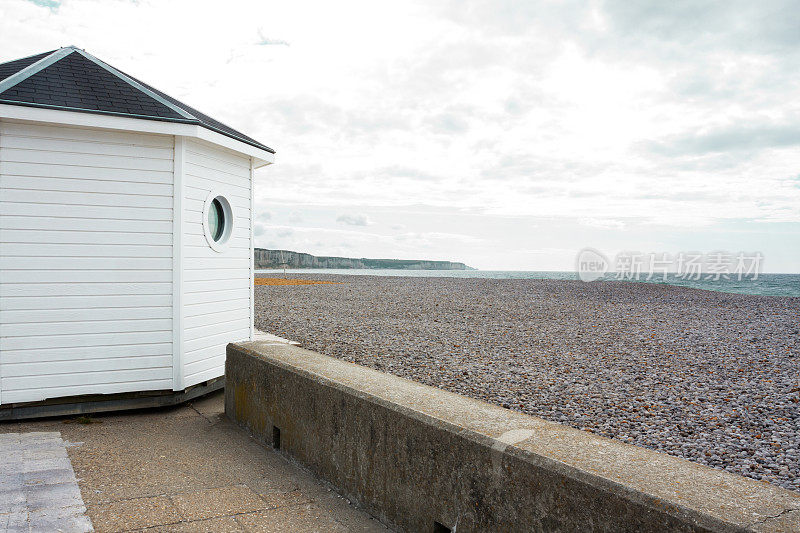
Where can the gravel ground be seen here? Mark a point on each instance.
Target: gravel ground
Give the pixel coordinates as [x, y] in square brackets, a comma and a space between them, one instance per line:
[708, 376]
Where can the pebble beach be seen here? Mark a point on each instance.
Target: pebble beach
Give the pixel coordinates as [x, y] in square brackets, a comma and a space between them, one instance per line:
[708, 376]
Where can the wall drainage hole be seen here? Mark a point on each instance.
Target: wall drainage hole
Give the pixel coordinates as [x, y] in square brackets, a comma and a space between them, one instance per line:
[440, 528]
[276, 438]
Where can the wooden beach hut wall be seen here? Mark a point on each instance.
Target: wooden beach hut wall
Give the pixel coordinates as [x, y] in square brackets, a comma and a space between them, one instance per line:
[126, 235]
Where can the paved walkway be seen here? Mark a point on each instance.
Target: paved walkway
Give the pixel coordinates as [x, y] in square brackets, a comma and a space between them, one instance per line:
[38, 490]
[181, 469]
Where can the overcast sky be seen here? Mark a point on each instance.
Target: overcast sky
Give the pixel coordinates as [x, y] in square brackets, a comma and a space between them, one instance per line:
[506, 135]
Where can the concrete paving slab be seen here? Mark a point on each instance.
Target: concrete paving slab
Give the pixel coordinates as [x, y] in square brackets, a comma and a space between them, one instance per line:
[12, 501]
[347, 514]
[65, 519]
[284, 499]
[222, 501]
[47, 477]
[220, 524]
[137, 513]
[39, 497]
[186, 468]
[307, 517]
[38, 489]
[10, 481]
[14, 522]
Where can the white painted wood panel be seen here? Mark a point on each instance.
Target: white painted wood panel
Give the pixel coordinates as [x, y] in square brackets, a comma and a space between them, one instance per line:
[83, 159]
[35, 316]
[93, 325]
[54, 251]
[203, 173]
[11, 168]
[219, 340]
[86, 302]
[86, 254]
[82, 289]
[67, 236]
[110, 351]
[229, 304]
[82, 224]
[38, 183]
[83, 198]
[89, 135]
[216, 285]
[97, 148]
[74, 341]
[106, 383]
[84, 263]
[87, 365]
[87, 211]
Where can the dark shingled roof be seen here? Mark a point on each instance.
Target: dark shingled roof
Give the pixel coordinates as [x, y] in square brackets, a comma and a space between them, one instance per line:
[12, 67]
[74, 80]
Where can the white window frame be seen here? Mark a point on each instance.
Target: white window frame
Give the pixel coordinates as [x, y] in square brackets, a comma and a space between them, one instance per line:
[227, 210]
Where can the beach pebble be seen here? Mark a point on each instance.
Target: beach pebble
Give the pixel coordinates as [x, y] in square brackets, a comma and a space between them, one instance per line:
[709, 376]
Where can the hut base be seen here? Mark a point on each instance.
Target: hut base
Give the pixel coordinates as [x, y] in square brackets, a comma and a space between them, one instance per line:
[100, 403]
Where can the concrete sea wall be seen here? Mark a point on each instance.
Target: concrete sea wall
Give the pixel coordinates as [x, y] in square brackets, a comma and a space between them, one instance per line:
[423, 459]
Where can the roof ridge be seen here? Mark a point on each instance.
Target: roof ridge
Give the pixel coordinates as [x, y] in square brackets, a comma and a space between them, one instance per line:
[137, 85]
[36, 67]
[82, 82]
[204, 121]
[26, 57]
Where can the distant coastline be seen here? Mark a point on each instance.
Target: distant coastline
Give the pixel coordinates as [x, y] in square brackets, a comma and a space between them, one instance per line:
[270, 259]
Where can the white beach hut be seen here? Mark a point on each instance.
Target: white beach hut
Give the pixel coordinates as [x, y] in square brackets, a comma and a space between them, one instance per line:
[126, 243]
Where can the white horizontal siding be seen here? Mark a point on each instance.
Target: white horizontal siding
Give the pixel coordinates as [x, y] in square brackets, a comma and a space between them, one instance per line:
[228, 304]
[98, 288]
[29, 183]
[216, 285]
[35, 316]
[76, 340]
[108, 364]
[86, 258]
[86, 302]
[88, 276]
[83, 158]
[129, 227]
[101, 383]
[84, 327]
[87, 135]
[71, 236]
[84, 263]
[35, 169]
[87, 211]
[75, 355]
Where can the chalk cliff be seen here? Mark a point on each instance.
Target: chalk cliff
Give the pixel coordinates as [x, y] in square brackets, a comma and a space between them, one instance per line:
[265, 259]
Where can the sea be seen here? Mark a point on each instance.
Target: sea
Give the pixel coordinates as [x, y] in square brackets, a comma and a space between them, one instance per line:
[763, 284]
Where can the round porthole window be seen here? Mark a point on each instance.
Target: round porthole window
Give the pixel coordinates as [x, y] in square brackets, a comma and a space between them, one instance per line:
[217, 220]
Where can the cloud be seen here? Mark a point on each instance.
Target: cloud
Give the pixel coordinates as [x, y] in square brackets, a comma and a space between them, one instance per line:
[266, 41]
[432, 238]
[742, 137]
[448, 123]
[354, 220]
[602, 223]
[50, 4]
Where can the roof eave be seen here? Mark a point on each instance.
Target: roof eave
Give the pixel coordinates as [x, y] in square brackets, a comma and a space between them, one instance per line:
[114, 121]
